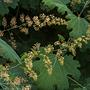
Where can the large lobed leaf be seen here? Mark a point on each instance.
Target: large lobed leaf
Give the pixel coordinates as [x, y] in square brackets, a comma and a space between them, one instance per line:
[59, 74]
[78, 25]
[49, 2]
[60, 4]
[7, 52]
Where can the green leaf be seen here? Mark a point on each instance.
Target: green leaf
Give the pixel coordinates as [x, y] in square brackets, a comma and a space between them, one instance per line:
[60, 4]
[16, 71]
[61, 37]
[71, 66]
[78, 25]
[88, 83]
[13, 4]
[27, 4]
[59, 74]
[84, 88]
[49, 2]
[4, 85]
[4, 7]
[7, 52]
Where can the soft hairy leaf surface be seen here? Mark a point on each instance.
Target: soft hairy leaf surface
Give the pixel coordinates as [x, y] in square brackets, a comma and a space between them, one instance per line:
[60, 4]
[59, 75]
[7, 52]
[78, 25]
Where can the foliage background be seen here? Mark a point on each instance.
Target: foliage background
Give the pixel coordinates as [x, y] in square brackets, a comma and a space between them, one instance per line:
[71, 11]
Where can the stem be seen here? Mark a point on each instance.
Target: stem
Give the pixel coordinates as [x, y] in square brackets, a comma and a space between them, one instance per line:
[87, 2]
[76, 82]
[15, 66]
[14, 27]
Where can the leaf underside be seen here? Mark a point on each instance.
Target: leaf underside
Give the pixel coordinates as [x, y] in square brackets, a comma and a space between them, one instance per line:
[7, 52]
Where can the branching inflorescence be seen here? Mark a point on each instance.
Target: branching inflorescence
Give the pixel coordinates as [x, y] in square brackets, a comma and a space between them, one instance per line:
[36, 22]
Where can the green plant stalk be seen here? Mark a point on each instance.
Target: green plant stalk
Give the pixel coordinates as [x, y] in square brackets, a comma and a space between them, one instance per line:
[87, 2]
[76, 82]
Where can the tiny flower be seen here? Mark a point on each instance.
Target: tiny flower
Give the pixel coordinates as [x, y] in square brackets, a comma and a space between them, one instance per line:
[4, 22]
[13, 22]
[22, 18]
[25, 30]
